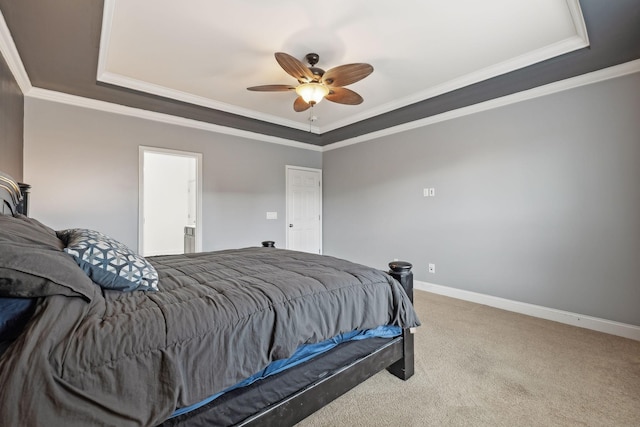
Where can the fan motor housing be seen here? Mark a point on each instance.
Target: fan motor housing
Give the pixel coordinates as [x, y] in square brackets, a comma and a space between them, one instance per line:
[317, 72]
[312, 59]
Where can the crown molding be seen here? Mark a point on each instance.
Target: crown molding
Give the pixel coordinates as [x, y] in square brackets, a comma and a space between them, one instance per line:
[563, 85]
[560, 86]
[578, 20]
[11, 55]
[78, 101]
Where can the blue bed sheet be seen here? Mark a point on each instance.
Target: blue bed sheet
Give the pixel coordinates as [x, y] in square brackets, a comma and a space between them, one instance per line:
[302, 354]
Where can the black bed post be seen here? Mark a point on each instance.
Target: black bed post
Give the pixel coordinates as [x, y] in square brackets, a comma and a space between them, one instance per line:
[23, 207]
[404, 368]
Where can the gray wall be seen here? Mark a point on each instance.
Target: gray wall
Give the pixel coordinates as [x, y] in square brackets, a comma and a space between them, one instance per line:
[536, 202]
[83, 166]
[11, 122]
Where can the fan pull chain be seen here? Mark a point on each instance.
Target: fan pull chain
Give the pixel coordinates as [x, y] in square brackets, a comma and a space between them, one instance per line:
[312, 118]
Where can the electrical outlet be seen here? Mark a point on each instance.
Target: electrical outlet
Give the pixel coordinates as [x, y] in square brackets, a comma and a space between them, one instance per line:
[432, 268]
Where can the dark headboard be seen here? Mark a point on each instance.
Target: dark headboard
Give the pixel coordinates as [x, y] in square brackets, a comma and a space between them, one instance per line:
[14, 196]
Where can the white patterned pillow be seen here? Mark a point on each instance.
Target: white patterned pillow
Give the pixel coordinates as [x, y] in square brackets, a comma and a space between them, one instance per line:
[109, 263]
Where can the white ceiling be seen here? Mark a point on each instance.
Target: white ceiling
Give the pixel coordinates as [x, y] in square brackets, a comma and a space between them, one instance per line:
[208, 52]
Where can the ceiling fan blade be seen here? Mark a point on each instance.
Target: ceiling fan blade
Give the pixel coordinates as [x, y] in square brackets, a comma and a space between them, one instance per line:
[293, 67]
[344, 75]
[343, 95]
[271, 88]
[300, 105]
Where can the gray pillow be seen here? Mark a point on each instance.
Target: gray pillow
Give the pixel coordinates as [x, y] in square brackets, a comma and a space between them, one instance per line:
[33, 263]
[109, 263]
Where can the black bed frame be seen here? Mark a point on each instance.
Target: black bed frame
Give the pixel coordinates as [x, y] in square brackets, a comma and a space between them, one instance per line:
[395, 355]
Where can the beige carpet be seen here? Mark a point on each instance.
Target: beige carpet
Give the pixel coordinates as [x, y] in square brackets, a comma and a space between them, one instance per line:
[481, 366]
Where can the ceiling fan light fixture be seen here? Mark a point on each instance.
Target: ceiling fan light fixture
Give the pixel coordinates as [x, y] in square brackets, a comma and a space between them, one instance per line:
[314, 83]
[312, 93]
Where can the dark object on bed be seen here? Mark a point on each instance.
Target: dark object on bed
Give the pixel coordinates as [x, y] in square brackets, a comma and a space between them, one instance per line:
[94, 356]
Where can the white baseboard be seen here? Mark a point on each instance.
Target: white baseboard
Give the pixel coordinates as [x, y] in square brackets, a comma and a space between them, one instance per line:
[582, 321]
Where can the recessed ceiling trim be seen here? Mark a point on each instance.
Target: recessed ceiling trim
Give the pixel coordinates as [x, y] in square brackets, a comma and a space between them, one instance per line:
[12, 57]
[578, 19]
[105, 36]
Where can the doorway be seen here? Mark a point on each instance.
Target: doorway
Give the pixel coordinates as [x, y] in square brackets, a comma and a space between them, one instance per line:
[170, 185]
[304, 209]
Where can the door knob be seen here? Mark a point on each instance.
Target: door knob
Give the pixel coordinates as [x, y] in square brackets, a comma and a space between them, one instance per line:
[290, 225]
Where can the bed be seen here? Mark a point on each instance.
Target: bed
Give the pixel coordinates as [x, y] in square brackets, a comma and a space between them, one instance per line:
[250, 336]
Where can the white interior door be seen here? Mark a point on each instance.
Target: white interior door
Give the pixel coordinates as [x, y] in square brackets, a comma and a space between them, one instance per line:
[304, 209]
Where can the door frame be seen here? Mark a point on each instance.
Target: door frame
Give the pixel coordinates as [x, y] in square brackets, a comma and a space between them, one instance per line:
[142, 149]
[287, 213]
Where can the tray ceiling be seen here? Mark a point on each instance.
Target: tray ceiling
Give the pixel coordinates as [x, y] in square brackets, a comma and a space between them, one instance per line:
[207, 53]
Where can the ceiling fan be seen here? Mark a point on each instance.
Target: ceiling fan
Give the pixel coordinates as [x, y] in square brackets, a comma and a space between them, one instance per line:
[315, 84]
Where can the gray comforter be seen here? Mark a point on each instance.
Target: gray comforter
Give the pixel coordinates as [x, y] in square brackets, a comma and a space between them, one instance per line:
[132, 358]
